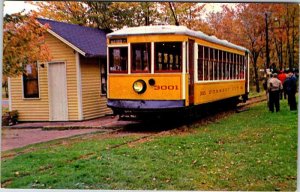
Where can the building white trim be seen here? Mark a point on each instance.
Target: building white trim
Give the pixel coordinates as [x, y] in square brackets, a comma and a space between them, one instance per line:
[9, 94]
[79, 86]
[66, 42]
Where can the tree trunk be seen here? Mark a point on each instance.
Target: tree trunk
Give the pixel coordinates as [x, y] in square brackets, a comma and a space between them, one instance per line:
[256, 77]
[255, 57]
[174, 15]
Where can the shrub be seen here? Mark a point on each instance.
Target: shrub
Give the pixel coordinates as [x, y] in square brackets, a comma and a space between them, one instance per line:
[10, 118]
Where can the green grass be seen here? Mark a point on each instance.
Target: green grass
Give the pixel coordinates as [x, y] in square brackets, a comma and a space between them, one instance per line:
[252, 150]
[253, 92]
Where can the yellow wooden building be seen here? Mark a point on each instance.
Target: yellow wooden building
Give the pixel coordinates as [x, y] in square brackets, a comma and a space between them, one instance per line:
[70, 87]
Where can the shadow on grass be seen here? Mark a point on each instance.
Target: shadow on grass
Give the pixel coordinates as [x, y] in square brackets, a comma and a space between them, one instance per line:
[187, 117]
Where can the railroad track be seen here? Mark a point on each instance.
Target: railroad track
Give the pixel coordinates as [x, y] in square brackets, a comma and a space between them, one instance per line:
[153, 129]
[149, 130]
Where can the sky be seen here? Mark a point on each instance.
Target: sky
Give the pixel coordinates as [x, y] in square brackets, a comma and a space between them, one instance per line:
[17, 6]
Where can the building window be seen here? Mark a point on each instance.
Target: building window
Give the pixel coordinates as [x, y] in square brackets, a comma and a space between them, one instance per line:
[141, 57]
[118, 60]
[31, 81]
[103, 73]
[168, 57]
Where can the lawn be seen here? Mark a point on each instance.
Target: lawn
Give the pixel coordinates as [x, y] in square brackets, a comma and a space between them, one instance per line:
[252, 150]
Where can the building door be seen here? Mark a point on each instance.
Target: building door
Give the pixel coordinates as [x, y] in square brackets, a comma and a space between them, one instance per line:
[58, 102]
[191, 71]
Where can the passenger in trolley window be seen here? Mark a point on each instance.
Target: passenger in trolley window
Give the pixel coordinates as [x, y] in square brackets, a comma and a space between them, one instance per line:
[274, 88]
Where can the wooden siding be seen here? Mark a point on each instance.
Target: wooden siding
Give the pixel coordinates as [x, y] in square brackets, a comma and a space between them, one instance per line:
[93, 103]
[38, 109]
[30, 109]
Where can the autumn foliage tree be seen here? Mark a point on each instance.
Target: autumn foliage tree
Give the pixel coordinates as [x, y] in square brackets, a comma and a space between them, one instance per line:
[23, 43]
[178, 13]
[66, 11]
[103, 15]
[245, 24]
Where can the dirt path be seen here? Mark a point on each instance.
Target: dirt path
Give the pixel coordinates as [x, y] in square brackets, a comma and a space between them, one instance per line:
[16, 138]
[24, 134]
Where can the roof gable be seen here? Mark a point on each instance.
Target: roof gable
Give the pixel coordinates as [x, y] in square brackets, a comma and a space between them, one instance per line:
[91, 42]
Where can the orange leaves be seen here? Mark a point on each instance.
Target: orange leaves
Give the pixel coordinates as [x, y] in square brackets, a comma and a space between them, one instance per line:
[67, 11]
[23, 42]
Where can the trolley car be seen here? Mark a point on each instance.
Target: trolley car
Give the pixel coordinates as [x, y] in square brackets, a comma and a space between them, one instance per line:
[172, 68]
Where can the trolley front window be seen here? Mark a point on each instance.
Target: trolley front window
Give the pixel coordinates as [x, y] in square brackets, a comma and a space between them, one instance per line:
[118, 60]
[168, 56]
[141, 54]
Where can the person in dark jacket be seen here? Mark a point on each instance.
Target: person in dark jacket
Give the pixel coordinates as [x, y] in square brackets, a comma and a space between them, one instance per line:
[291, 88]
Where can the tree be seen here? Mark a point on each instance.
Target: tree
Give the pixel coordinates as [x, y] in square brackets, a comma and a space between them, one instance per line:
[147, 13]
[23, 43]
[103, 15]
[241, 25]
[187, 14]
[291, 19]
[224, 24]
[66, 11]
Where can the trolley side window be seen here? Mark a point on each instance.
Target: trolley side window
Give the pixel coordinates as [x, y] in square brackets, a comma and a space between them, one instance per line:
[220, 70]
[215, 62]
[141, 57]
[200, 62]
[206, 57]
[210, 64]
[168, 57]
[118, 60]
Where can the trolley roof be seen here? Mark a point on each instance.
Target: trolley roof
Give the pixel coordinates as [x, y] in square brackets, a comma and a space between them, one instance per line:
[172, 29]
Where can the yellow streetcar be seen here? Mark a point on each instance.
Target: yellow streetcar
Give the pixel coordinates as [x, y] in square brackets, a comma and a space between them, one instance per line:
[170, 68]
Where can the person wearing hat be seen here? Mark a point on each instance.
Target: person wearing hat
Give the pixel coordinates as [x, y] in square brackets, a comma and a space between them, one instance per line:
[274, 88]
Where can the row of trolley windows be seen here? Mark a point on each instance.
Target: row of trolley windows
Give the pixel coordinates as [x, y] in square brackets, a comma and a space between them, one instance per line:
[214, 64]
[167, 57]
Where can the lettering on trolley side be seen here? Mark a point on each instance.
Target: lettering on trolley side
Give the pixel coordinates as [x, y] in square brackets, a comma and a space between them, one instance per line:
[166, 87]
[117, 41]
[220, 90]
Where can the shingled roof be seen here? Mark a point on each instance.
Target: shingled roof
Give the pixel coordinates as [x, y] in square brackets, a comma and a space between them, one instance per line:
[89, 42]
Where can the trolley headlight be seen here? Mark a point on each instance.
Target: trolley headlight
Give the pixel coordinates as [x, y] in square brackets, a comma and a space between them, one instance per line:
[139, 86]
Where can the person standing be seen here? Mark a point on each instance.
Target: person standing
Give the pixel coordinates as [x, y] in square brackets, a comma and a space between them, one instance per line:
[266, 79]
[274, 87]
[282, 78]
[291, 88]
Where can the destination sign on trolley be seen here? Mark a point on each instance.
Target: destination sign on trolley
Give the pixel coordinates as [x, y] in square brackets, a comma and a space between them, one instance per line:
[118, 41]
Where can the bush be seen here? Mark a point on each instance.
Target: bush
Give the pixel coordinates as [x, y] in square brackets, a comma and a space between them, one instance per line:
[10, 118]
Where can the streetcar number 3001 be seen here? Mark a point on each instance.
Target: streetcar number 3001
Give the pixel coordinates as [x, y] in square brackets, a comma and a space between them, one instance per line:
[166, 87]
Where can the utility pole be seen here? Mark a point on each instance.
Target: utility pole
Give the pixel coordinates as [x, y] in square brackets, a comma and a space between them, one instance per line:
[267, 42]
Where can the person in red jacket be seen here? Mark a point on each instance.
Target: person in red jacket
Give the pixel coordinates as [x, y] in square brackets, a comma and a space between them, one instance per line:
[282, 77]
